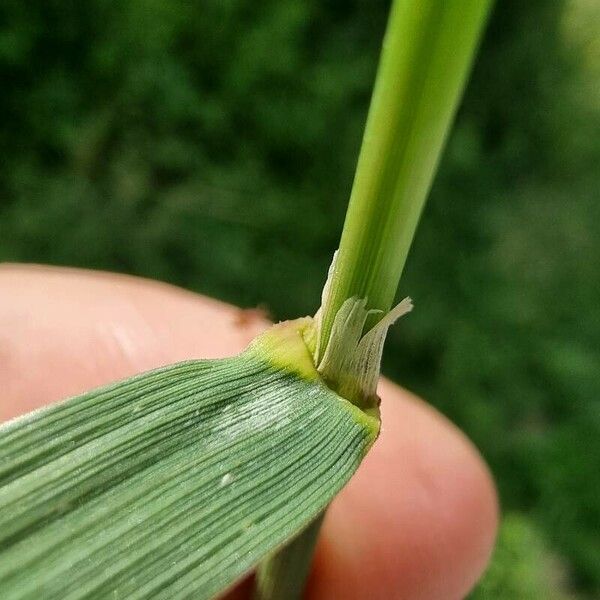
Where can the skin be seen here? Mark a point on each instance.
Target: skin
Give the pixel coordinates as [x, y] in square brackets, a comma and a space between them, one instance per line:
[417, 521]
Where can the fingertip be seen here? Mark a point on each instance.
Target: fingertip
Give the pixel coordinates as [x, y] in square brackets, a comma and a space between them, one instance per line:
[417, 521]
[419, 518]
[65, 330]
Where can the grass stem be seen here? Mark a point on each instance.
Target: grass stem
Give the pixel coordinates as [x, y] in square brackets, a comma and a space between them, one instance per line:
[282, 576]
[427, 52]
[428, 49]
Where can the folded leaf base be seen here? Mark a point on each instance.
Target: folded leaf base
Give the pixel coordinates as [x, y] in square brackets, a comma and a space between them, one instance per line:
[177, 482]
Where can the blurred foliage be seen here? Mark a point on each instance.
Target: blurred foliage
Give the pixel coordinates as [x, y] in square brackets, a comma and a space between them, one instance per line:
[524, 568]
[213, 144]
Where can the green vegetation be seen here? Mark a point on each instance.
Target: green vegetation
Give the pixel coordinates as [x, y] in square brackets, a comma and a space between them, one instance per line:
[524, 567]
[213, 145]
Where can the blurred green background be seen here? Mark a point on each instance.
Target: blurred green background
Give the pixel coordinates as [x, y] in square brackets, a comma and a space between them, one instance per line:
[212, 144]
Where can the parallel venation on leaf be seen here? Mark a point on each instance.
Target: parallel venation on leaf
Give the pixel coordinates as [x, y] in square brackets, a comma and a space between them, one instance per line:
[177, 482]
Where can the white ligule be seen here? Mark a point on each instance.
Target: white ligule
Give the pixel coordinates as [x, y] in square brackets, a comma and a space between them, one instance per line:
[351, 361]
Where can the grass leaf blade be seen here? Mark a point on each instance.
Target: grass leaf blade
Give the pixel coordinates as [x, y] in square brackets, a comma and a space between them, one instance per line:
[175, 483]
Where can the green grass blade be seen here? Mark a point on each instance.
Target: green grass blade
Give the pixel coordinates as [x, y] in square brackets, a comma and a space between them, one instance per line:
[427, 53]
[177, 482]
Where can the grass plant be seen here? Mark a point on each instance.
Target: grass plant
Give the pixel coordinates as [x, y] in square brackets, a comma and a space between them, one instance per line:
[177, 482]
